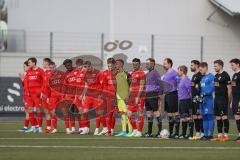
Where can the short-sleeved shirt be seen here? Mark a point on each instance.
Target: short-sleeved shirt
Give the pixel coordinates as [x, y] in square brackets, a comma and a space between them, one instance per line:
[196, 87]
[236, 84]
[184, 88]
[136, 78]
[221, 81]
[109, 81]
[92, 78]
[171, 77]
[152, 81]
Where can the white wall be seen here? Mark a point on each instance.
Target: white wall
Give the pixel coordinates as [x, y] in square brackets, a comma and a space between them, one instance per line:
[177, 25]
[59, 15]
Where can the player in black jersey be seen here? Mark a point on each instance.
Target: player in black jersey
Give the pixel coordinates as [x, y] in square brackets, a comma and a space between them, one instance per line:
[235, 65]
[221, 101]
[195, 91]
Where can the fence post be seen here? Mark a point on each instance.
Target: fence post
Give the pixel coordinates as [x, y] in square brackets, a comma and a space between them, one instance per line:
[24, 41]
[51, 45]
[102, 48]
[152, 45]
[201, 51]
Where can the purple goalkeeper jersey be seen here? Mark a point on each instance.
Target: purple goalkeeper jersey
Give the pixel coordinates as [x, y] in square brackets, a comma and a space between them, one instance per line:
[184, 88]
[171, 77]
[152, 81]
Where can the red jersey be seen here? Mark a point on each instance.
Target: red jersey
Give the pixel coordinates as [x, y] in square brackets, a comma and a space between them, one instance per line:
[74, 81]
[136, 78]
[71, 77]
[81, 77]
[56, 80]
[93, 80]
[109, 81]
[34, 79]
[46, 89]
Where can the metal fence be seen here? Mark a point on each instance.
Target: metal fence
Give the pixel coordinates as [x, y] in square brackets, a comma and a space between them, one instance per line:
[182, 48]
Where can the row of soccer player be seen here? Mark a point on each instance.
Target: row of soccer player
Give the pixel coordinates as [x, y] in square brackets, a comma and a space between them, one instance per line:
[188, 102]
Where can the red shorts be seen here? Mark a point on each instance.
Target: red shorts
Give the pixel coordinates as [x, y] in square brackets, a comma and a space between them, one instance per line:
[92, 102]
[132, 106]
[33, 100]
[44, 100]
[53, 102]
[69, 99]
[109, 103]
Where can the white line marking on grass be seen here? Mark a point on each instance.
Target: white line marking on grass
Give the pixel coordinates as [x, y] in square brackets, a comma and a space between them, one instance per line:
[121, 147]
[79, 138]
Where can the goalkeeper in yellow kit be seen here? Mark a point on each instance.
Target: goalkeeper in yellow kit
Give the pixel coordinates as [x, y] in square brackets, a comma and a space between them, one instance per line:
[122, 92]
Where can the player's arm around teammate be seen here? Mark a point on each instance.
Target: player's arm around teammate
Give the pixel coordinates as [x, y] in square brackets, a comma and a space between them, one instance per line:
[34, 82]
[46, 93]
[136, 98]
[221, 100]
[23, 79]
[235, 65]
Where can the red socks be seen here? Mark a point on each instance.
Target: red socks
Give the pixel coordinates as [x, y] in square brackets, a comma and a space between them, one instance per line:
[140, 123]
[54, 121]
[32, 119]
[66, 121]
[133, 122]
[26, 123]
[40, 119]
[98, 121]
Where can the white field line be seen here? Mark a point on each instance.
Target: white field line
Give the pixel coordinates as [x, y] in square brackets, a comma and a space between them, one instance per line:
[120, 147]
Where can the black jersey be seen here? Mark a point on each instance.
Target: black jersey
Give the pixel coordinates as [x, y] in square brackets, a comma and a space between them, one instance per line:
[222, 80]
[236, 83]
[195, 89]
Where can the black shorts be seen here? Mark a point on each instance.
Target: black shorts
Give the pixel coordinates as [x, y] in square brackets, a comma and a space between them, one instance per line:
[185, 108]
[195, 108]
[235, 105]
[171, 102]
[221, 106]
[151, 102]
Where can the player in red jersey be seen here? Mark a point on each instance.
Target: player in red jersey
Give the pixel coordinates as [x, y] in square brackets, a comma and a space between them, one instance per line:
[82, 116]
[136, 98]
[34, 82]
[75, 80]
[46, 93]
[69, 88]
[23, 79]
[56, 96]
[109, 92]
[93, 96]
